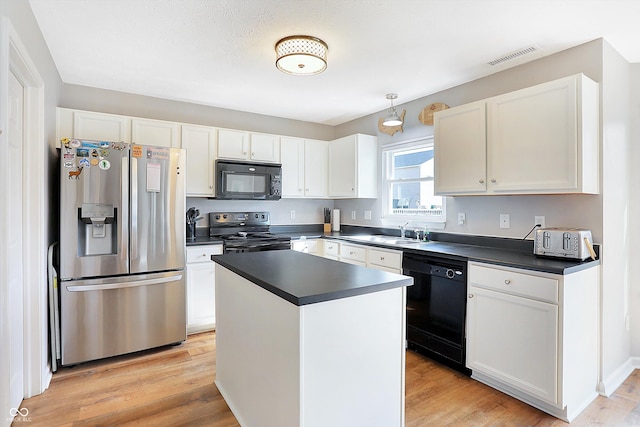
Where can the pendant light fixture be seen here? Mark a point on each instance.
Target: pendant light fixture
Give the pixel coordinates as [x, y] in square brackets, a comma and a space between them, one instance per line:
[301, 55]
[392, 118]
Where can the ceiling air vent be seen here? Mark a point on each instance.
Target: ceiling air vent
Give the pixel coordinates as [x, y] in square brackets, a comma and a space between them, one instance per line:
[513, 55]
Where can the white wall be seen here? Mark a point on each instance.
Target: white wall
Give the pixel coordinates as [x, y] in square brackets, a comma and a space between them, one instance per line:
[634, 208]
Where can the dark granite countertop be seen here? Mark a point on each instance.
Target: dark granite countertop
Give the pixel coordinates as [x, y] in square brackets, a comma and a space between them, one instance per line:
[303, 279]
[204, 240]
[499, 251]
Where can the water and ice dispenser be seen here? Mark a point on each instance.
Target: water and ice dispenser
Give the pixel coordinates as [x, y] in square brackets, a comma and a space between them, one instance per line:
[97, 229]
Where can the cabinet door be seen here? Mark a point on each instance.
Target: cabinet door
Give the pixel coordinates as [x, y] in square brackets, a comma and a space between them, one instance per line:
[342, 167]
[100, 126]
[201, 307]
[460, 149]
[200, 143]
[265, 148]
[533, 140]
[155, 132]
[233, 144]
[292, 156]
[316, 168]
[514, 340]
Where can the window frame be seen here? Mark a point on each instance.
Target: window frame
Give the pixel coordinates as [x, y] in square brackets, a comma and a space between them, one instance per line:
[390, 218]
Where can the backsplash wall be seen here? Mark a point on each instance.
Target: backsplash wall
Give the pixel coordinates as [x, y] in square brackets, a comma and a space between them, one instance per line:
[307, 211]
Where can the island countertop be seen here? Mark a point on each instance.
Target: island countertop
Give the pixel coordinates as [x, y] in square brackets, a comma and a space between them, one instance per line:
[306, 279]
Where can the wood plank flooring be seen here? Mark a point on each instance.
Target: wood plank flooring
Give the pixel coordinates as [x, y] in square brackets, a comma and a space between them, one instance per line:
[174, 386]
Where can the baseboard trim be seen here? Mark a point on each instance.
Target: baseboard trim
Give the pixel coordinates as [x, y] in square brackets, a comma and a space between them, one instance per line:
[609, 385]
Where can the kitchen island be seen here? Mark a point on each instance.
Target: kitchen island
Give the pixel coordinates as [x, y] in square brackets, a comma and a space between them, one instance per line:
[306, 341]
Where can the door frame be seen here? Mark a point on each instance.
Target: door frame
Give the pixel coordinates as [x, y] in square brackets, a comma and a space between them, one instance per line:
[15, 59]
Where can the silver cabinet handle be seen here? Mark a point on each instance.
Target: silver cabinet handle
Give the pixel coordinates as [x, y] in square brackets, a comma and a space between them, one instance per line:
[381, 258]
[493, 180]
[470, 295]
[481, 181]
[507, 281]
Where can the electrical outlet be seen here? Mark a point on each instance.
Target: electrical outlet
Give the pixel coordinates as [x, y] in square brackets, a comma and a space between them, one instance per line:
[367, 214]
[505, 221]
[539, 219]
[293, 214]
[461, 218]
[353, 214]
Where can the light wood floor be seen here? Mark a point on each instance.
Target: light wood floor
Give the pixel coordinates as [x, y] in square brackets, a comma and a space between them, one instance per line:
[174, 386]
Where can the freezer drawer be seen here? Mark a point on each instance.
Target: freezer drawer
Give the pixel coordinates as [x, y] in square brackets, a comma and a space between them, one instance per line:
[113, 316]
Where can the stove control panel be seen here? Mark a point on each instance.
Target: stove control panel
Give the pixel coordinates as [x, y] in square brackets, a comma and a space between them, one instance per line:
[238, 218]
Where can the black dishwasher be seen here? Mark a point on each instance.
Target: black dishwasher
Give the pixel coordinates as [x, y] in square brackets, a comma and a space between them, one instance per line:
[436, 308]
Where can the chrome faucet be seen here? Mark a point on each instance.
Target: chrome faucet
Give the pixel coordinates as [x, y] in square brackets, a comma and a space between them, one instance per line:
[402, 229]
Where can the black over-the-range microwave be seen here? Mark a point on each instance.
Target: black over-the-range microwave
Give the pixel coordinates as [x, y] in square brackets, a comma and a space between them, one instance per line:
[240, 180]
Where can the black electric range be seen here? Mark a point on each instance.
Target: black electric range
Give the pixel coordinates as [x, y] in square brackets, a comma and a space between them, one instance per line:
[246, 232]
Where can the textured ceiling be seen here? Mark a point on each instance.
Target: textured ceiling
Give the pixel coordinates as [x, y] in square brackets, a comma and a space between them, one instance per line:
[221, 52]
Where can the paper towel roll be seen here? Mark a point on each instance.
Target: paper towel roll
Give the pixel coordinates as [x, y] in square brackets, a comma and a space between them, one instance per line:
[335, 221]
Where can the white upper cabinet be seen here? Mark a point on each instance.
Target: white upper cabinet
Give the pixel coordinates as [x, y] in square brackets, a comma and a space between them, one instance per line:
[539, 140]
[90, 125]
[155, 132]
[200, 143]
[460, 147]
[264, 147]
[233, 144]
[353, 167]
[240, 145]
[304, 167]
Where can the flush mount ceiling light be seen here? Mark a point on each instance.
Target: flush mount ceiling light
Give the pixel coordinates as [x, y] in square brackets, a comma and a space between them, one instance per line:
[392, 119]
[301, 55]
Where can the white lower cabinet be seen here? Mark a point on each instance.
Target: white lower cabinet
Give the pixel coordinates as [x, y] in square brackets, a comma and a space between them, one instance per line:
[201, 288]
[308, 246]
[366, 256]
[534, 335]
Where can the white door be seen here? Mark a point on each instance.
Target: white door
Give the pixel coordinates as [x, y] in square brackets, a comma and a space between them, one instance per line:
[14, 240]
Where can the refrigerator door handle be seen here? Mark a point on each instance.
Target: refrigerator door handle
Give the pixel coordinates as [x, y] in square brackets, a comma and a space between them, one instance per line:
[124, 215]
[144, 282]
[134, 209]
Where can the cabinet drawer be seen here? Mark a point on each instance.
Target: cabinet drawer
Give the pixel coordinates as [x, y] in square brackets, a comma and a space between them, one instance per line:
[202, 253]
[387, 259]
[512, 282]
[331, 248]
[354, 253]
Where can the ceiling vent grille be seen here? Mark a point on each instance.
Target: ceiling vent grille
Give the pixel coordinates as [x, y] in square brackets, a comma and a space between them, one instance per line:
[513, 55]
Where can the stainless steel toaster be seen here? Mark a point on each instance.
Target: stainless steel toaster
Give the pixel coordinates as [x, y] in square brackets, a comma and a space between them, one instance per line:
[571, 243]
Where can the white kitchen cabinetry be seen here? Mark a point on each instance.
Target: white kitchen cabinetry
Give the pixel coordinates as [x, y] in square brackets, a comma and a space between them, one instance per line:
[240, 145]
[353, 254]
[539, 140]
[200, 143]
[353, 167]
[155, 132]
[233, 144]
[534, 335]
[460, 146]
[304, 167]
[330, 249]
[385, 259]
[90, 125]
[308, 246]
[200, 270]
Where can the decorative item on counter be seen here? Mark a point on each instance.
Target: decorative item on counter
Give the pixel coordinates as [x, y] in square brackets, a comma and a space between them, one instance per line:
[192, 217]
[336, 220]
[426, 115]
[327, 220]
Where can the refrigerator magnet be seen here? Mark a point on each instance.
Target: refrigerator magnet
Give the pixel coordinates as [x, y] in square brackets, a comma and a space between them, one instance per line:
[94, 162]
[74, 143]
[104, 165]
[82, 152]
[136, 151]
[84, 162]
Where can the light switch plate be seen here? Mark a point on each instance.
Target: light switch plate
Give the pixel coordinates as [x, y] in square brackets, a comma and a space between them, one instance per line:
[505, 221]
[462, 218]
[293, 214]
[353, 214]
[539, 219]
[367, 214]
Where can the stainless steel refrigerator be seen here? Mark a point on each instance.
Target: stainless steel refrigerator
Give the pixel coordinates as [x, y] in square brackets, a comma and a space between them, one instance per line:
[122, 248]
